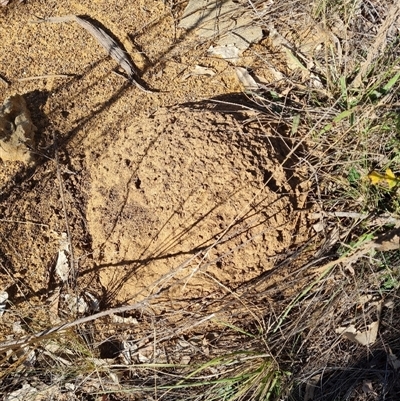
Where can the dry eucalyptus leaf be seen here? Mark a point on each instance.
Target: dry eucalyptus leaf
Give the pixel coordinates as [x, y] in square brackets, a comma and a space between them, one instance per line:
[200, 70]
[185, 360]
[62, 266]
[27, 392]
[246, 79]
[367, 337]
[367, 387]
[227, 52]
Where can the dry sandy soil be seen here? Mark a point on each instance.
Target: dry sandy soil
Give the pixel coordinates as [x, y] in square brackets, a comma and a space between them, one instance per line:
[164, 185]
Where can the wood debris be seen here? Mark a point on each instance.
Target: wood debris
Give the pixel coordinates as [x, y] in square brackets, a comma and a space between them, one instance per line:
[107, 42]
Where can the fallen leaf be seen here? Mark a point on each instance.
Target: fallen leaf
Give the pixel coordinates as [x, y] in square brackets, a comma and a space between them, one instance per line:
[227, 52]
[387, 179]
[185, 360]
[367, 387]
[246, 79]
[25, 393]
[62, 266]
[200, 70]
[367, 337]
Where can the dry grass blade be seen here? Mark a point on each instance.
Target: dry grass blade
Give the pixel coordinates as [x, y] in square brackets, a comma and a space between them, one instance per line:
[11, 344]
[107, 42]
[379, 43]
[46, 76]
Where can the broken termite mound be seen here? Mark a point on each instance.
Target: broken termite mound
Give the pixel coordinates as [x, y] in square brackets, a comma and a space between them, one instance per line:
[16, 131]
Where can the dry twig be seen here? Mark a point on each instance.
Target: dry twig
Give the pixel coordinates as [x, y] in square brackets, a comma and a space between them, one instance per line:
[4, 81]
[108, 43]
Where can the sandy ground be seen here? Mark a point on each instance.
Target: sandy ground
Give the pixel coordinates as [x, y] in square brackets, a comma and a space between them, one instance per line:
[158, 191]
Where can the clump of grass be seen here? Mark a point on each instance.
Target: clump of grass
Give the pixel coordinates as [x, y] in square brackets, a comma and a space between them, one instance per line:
[352, 128]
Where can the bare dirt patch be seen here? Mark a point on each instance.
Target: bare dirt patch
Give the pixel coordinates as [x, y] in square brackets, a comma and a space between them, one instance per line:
[149, 189]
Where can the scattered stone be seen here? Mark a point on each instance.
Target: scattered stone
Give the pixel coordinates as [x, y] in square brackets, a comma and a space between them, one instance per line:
[227, 22]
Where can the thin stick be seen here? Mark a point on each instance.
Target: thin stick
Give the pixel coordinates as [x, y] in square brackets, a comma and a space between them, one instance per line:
[48, 332]
[107, 42]
[4, 81]
[46, 77]
[352, 215]
[24, 222]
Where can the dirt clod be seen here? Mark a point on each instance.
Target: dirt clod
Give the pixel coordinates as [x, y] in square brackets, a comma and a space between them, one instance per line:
[16, 130]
